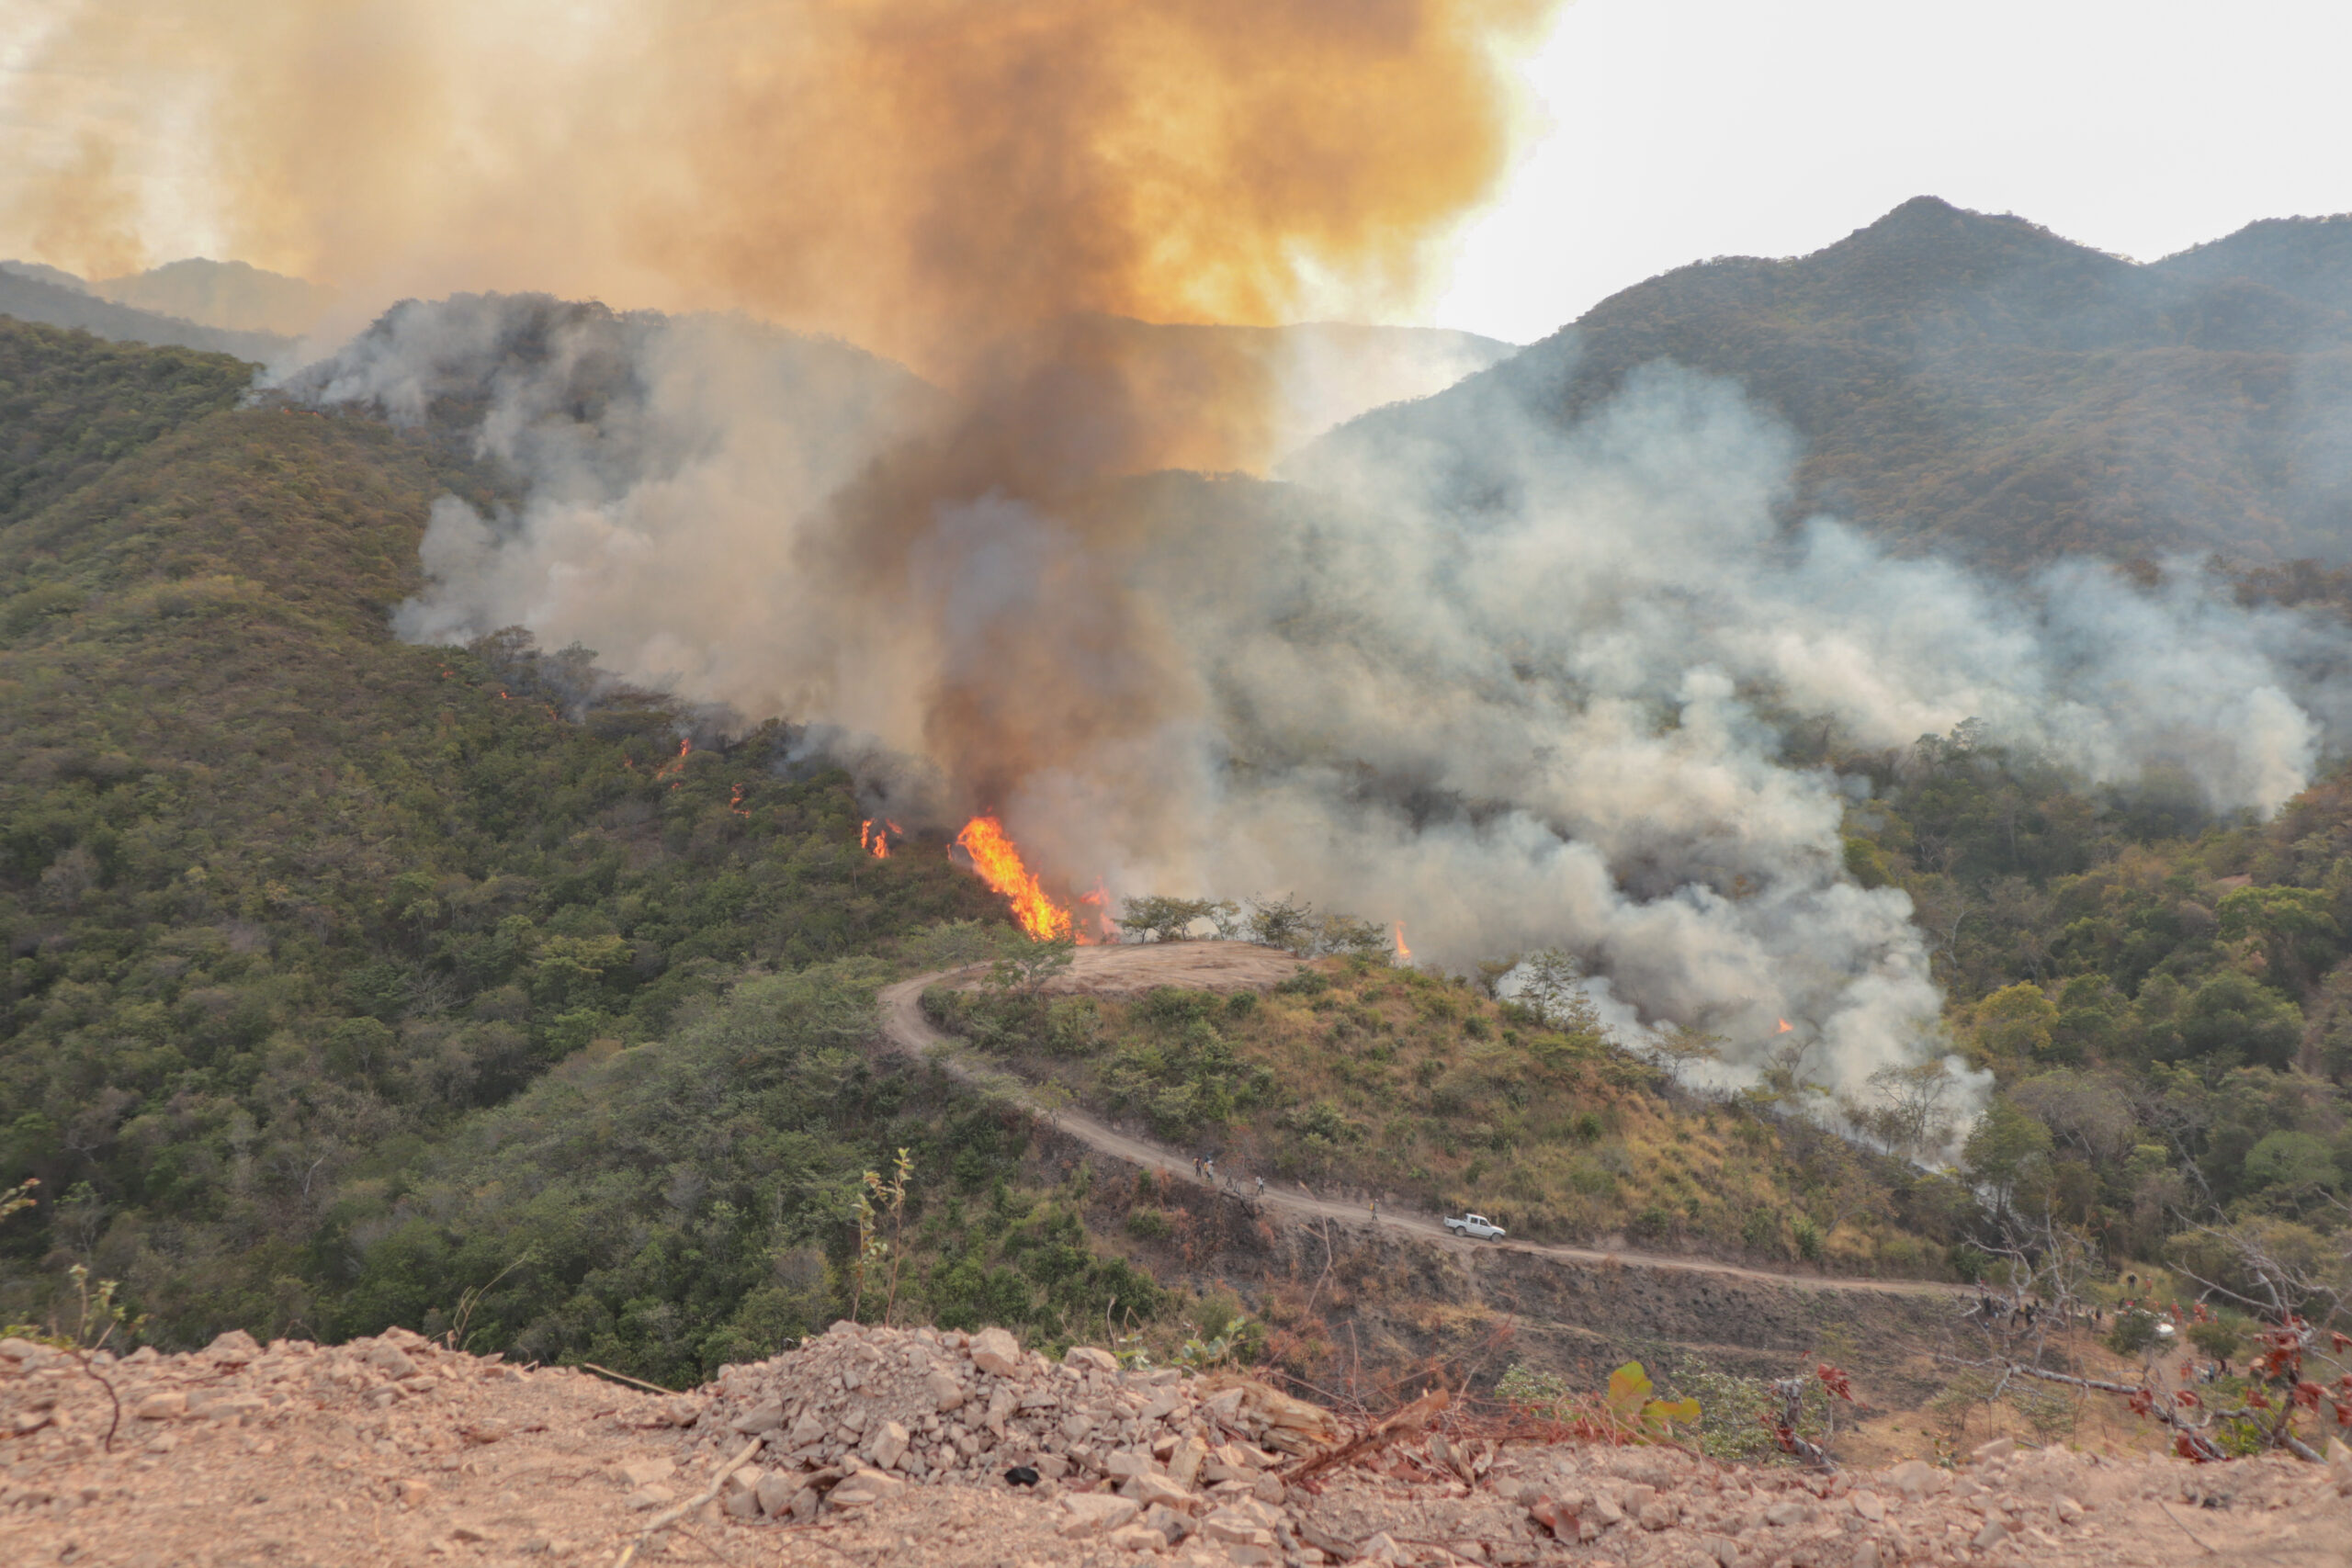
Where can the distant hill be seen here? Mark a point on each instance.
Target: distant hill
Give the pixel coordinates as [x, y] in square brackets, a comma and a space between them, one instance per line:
[43, 272]
[2307, 258]
[29, 294]
[231, 296]
[1979, 386]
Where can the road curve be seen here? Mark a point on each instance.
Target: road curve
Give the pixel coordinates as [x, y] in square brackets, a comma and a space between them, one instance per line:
[906, 1029]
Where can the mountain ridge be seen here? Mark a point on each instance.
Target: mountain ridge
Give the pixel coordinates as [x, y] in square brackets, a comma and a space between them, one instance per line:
[1977, 386]
[36, 299]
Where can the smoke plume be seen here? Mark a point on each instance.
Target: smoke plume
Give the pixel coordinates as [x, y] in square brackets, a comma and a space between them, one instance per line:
[1554, 716]
[919, 176]
[1544, 711]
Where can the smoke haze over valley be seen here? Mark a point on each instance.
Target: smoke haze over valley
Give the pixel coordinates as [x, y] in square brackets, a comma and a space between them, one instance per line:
[1553, 708]
[1530, 663]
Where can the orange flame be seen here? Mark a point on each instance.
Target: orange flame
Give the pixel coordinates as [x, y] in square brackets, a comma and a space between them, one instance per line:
[676, 762]
[1404, 954]
[875, 842]
[1785, 1027]
[1097, 910]
[999, 866]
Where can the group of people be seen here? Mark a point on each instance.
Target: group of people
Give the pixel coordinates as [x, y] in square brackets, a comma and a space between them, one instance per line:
[2020, 1311]
[1205, 1168]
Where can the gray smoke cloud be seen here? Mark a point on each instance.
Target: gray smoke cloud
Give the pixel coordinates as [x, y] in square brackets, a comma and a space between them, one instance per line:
[1543, 714]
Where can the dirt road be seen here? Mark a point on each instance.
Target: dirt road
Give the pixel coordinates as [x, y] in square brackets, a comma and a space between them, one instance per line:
[1232, 966]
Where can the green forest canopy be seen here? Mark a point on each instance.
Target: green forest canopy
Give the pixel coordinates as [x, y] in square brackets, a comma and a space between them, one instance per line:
[343, 976]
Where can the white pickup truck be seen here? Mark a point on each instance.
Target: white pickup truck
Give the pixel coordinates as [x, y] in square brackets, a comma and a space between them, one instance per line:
[1476, 1225]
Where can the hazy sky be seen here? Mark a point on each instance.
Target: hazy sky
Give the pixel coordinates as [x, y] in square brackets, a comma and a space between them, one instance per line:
[1686, 128]
[1670, 131]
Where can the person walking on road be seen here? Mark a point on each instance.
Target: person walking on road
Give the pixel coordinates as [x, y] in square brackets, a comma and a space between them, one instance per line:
[1375, 1211]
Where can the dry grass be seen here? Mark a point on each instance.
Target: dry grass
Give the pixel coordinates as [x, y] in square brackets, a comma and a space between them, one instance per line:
[1369, 1079]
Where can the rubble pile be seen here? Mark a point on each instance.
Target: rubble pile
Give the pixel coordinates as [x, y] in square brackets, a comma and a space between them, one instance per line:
[233, 1381]
[862, 1423]
[856, 1412]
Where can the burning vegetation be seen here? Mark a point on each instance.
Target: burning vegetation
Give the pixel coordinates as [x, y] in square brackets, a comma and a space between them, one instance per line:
[993, 856]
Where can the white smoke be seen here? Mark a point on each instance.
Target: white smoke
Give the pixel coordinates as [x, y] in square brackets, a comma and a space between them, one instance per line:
[1542, 716]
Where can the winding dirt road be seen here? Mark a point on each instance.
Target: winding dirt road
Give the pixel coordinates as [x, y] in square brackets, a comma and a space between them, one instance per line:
[1235, 966]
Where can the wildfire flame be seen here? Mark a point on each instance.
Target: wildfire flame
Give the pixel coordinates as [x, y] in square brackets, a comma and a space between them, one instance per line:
[1785, 1027]
[875, 840]
[1097, 910]
[1404, 954]
[1001, 867]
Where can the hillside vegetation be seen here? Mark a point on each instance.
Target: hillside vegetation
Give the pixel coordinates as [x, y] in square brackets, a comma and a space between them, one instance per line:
[1360, 1077]
[311, 933]
[2166, 1007]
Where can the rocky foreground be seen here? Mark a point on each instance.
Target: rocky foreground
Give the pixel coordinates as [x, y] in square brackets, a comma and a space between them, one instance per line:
[875, 1445]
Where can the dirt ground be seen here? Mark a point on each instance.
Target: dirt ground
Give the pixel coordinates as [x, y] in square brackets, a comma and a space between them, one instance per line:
[391, 1452]
[1129, 969]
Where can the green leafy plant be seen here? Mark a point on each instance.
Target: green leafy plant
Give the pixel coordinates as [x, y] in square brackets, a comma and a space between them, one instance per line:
[2134, 1331]
[1632, 1403]
[873, 1248]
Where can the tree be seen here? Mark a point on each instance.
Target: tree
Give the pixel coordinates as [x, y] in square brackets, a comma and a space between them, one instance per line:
[2005, 1147]
[1161, 919]
[1284, 922]
[1909, 1109]
[2291, 925]
[2220, 1337]
[1680, 1050]
[2016, 1020]
[1551, 986]
[2235, 1012]
[1346, 934]
[2296, 1162]
[1027, 968]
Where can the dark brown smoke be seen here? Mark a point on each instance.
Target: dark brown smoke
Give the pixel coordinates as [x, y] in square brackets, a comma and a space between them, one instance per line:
[923, 177]
[995, 191]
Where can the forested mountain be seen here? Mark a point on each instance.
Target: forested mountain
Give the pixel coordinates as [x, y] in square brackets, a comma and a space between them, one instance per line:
[56, 300]
[345, 976]
[309, 933]
[1981, 388]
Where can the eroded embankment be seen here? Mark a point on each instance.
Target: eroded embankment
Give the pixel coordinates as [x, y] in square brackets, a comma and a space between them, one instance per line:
[1376, 1296]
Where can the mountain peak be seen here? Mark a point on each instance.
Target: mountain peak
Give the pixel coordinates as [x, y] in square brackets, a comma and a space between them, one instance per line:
[1961, 245]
